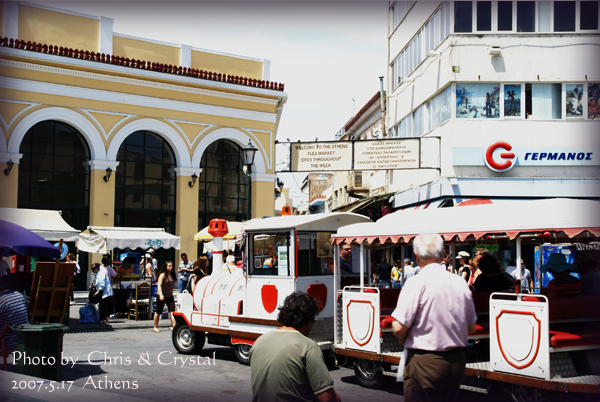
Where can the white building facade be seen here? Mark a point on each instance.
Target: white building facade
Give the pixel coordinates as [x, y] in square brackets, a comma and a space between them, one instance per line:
[503, 94]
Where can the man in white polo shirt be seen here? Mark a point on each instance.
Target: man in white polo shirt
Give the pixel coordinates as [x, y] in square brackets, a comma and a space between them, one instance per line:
[434, 315]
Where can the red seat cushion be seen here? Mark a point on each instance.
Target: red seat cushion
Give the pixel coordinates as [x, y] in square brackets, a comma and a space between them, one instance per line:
[482, 328]
[386, 321]
[570, 337]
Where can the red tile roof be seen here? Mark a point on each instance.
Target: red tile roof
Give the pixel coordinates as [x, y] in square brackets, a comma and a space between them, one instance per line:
[139, 64]
[371, 101]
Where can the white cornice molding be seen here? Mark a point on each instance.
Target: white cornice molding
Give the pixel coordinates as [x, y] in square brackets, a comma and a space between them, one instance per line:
[101, 165]
[134, 100]
[62, 11]
[264, 177]
[186, 171]
[256, 94]
[6, 156]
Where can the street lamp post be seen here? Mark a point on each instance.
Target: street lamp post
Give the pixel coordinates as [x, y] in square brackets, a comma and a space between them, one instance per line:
[249, 153]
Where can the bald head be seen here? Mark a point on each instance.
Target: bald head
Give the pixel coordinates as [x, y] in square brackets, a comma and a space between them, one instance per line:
[429, 248]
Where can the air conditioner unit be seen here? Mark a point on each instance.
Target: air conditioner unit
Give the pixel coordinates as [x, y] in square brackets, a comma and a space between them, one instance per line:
[495, 50]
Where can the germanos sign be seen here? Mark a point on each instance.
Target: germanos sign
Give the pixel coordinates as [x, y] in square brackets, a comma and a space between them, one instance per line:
[502, 156]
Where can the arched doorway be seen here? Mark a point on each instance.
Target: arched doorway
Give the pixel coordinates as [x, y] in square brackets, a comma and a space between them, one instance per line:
[52, 175]
[223, 190]
[145, 185]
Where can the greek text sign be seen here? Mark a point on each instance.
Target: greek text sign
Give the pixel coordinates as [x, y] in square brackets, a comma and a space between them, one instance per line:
[355, 155]
[385, 155]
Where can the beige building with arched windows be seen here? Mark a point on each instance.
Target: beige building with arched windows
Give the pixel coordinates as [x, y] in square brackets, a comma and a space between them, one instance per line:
[77, 98]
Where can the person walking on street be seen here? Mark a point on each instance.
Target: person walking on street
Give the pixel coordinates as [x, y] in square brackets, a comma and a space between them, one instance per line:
[165, 283]
[397, 275]
[104, 288]
[149, 271]
[433, 318]
[184, 270]
[110, 272]
[383, 275]
[409, 270]
[285, 365]
[526, 279]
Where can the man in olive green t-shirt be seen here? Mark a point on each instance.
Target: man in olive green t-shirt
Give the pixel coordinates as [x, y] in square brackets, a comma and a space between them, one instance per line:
[285, 364]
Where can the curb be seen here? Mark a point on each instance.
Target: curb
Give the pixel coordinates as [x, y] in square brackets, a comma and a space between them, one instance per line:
[79, 328]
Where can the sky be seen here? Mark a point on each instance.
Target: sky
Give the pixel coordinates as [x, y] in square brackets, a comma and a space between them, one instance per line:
[329, 55]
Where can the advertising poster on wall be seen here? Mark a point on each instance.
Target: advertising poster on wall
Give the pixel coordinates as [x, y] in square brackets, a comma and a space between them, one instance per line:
[574, 100]
[282, 256]
[593, 99]
[323, 245]
[512, 100]
[476, 101]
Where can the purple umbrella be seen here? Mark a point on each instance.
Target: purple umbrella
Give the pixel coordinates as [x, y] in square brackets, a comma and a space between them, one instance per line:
[15, 239]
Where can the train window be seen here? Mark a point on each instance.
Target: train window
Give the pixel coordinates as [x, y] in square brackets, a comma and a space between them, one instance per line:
[270, 254]
[315, 255]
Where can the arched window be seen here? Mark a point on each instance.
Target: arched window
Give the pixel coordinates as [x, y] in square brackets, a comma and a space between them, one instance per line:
[145, 185]
[52, 174]
[223, 189]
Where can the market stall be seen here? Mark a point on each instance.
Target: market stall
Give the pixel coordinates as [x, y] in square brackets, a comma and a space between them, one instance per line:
[47, 224]
[102, 240]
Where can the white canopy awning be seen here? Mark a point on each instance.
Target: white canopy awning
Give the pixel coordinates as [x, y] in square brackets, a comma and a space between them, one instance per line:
[99, 239]
[318, 222]
[227, 245]
[47, 224]
[560, 216]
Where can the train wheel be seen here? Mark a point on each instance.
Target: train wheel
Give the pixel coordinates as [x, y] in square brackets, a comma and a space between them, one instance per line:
[242, 353]
[369, 373]
[186, 341]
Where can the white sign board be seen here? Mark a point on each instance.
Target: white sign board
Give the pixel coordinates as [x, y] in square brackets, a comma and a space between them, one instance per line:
[386, 154]
[318, 156]
[355, 155]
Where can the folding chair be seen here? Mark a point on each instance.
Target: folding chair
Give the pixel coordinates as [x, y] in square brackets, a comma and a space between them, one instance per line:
[140, 306]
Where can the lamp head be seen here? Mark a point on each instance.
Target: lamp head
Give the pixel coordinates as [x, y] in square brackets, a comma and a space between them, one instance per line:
[108, 174]
[9, 166]
[193, 182]
[249, 153]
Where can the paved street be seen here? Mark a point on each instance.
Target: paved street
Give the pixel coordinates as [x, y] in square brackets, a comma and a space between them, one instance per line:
[147, 366]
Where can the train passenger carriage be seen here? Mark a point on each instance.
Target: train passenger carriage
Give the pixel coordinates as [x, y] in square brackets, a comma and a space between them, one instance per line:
[525, 342]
